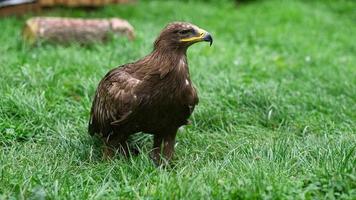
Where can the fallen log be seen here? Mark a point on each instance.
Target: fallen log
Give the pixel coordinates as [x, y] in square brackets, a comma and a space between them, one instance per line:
[18, 7]
[74, 30]
[86, 3]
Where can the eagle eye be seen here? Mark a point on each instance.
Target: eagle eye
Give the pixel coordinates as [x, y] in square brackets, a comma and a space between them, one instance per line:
[185, 31]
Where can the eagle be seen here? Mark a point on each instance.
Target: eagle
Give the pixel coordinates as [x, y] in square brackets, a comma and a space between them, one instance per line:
[153, 95]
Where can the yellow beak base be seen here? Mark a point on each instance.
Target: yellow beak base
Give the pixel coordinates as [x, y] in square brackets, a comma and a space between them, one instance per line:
[202, 36]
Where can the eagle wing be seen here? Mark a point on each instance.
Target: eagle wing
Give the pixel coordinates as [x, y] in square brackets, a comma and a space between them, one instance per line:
[114, 102]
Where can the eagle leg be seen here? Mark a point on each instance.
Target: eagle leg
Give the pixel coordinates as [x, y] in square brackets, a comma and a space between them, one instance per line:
[120, 144]
[108, 152]
[163, 147]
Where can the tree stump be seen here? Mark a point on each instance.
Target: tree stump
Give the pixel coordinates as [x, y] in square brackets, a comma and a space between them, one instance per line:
[74, 30]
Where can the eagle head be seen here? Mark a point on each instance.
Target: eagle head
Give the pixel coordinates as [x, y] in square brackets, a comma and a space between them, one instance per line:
[180, 35]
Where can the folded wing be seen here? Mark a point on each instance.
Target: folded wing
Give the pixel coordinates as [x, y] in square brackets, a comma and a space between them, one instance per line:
[114, 102]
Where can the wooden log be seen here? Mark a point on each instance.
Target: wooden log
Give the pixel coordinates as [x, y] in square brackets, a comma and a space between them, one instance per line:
[74, 30]
[85, 3]
[20, 9]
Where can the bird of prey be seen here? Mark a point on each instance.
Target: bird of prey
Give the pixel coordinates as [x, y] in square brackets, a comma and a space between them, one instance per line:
[153, 95]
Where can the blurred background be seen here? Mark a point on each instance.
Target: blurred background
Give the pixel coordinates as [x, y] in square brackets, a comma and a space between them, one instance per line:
[276, 117]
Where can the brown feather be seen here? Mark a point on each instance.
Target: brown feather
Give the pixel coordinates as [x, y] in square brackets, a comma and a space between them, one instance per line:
[153, 95]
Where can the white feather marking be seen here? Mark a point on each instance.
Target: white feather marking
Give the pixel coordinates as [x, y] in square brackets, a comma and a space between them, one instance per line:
[181, 65]
[186, 82]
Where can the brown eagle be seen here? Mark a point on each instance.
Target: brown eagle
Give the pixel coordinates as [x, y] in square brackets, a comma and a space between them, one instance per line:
[152, 95]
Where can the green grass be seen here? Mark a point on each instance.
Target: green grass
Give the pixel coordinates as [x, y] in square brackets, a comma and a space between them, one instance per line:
[276, 119]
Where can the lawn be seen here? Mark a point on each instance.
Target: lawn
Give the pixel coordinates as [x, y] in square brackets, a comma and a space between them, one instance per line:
[276, 118]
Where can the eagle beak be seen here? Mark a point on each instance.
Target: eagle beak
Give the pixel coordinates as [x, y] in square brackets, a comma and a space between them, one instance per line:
[202, 36]
[208, 38]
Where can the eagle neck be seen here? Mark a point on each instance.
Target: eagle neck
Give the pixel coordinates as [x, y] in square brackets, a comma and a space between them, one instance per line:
[170, 61]
[169, 55]
[172, 68]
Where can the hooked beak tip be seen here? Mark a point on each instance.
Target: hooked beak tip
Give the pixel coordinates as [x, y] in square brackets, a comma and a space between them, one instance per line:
[208, 38]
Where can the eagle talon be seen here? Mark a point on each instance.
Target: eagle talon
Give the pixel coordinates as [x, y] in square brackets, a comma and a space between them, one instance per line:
[156, 159]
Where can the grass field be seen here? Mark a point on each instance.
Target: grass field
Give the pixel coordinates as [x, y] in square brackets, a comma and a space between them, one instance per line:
[276, 119]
